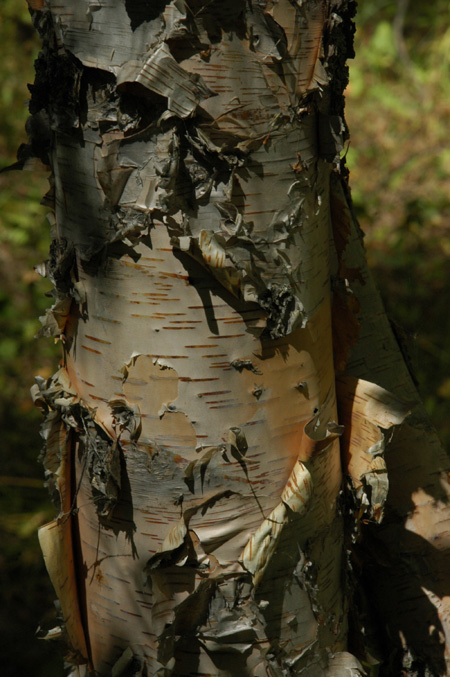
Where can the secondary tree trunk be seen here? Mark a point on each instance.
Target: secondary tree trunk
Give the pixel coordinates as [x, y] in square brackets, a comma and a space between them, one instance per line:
[232, 416]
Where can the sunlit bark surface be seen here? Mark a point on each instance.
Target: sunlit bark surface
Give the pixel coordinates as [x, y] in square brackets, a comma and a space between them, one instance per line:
[246, 480]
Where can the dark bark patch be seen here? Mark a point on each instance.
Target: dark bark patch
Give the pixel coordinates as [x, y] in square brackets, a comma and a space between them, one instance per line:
[280, 303]
[140, 11]
[56, 88]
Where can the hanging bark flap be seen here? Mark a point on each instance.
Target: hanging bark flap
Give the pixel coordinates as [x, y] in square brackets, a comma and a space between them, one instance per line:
[368, 413]
[58, 549]
[161, 74]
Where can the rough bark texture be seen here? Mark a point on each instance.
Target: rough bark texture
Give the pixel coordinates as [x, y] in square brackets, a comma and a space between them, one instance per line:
[233, 416]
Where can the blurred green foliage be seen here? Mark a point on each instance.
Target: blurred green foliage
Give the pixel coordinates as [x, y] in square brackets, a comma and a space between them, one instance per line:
[27, 595]
[398, 105]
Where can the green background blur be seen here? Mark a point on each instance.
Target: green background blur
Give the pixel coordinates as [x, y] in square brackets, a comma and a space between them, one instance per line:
[398, 108]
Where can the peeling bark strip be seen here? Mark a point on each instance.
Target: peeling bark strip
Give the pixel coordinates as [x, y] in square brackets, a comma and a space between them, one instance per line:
[210, 286]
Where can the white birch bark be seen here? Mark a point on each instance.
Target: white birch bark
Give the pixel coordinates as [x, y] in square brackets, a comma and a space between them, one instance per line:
[212, 298]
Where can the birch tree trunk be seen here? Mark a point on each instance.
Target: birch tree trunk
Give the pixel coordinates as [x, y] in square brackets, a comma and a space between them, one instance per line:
[232, 416]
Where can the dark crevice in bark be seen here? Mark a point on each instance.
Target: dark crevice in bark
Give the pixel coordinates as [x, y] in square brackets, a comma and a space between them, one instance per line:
[141, 11]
